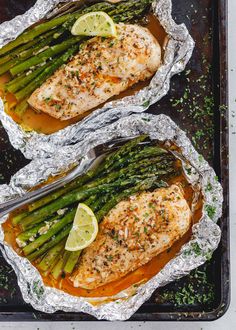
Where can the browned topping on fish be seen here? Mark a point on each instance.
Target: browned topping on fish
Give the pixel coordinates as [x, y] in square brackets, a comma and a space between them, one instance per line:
[103, 68]
[132, 233]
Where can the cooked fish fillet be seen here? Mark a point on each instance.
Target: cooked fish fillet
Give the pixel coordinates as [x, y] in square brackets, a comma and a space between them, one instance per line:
[133, 233]
[103, 68]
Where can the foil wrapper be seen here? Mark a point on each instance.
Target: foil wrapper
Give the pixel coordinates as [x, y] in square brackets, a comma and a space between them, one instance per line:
[205, 238]
[178, 51]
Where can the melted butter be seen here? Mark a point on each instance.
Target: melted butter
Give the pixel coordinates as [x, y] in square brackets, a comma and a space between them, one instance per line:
[43, 123]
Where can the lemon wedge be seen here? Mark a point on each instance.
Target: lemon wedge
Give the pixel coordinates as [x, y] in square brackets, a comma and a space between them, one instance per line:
[84, 229]
[95, 23]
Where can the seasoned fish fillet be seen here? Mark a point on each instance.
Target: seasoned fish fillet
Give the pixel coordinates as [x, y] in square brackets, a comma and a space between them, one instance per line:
[133, 233]
[102, 68]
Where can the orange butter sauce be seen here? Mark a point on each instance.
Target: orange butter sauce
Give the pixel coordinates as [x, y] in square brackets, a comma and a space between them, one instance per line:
[43, 123]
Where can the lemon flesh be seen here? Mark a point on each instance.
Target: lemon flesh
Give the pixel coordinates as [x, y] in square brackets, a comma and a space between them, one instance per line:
[94, 24]
[84, 229]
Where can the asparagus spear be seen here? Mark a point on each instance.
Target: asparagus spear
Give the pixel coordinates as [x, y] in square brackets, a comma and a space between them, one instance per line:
[131, 168]
[21, 107]
[47, 72]
[70, 198]
[71, 261]
[38, 229]
[26, 54]
[99, 202]
[51, 256]
[25, 236]
[29, 46]
[44, 55]
[53, 230]
[69, 19]
[147, 184]
[17, 51]
[92, 199]
[134, 156]
[54, 195]
[48, 245]
[17, 218]
[122, 151]
[40, 29]
[58, 268]
[23, 80]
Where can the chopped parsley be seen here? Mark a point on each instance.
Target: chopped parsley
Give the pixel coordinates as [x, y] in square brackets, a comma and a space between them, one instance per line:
[211, 211]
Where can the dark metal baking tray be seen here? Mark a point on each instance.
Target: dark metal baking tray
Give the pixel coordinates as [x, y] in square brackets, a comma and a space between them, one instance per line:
[197, 102]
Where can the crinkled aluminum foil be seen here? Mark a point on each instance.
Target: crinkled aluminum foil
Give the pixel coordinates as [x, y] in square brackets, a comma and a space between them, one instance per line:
[206, 234]
[177, 53]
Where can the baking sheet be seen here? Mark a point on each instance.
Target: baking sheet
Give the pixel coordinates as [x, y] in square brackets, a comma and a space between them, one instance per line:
[200, 17]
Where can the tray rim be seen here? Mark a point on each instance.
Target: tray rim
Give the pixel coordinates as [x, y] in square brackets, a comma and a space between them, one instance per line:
[219, 311]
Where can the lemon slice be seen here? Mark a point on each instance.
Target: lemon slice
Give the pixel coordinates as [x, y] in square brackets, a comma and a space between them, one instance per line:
[84, 230]
[95, 23]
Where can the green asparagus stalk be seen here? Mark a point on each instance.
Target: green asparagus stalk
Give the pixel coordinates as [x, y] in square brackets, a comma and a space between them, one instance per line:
[23, 80]
[134, 156]
[17, 51]
[38, 229]
[32, 44]
[21, 107]
[26, 54]
[47, 72]
[134, 6]
[44, 56]
[56, 194]
[131, 168]
[6, 66]
[18, 218]
[48, 245]
[147, 184]
[70, 198]
[99, 202]
[46, 26]
[122, 151]
[58, 268]
[92, 199]
[53, 230]
[51, 257]
[25, 236]
[71, 261]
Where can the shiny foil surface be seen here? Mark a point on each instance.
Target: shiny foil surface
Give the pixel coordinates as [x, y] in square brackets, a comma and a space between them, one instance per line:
[206, 233]
[178, 51]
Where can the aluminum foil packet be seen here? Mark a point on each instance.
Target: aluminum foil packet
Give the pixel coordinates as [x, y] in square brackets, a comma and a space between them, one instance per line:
[178, 51]
[205, 238]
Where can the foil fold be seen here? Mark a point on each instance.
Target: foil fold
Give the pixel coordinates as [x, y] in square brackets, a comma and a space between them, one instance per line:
[205, 238]
[178, 51]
